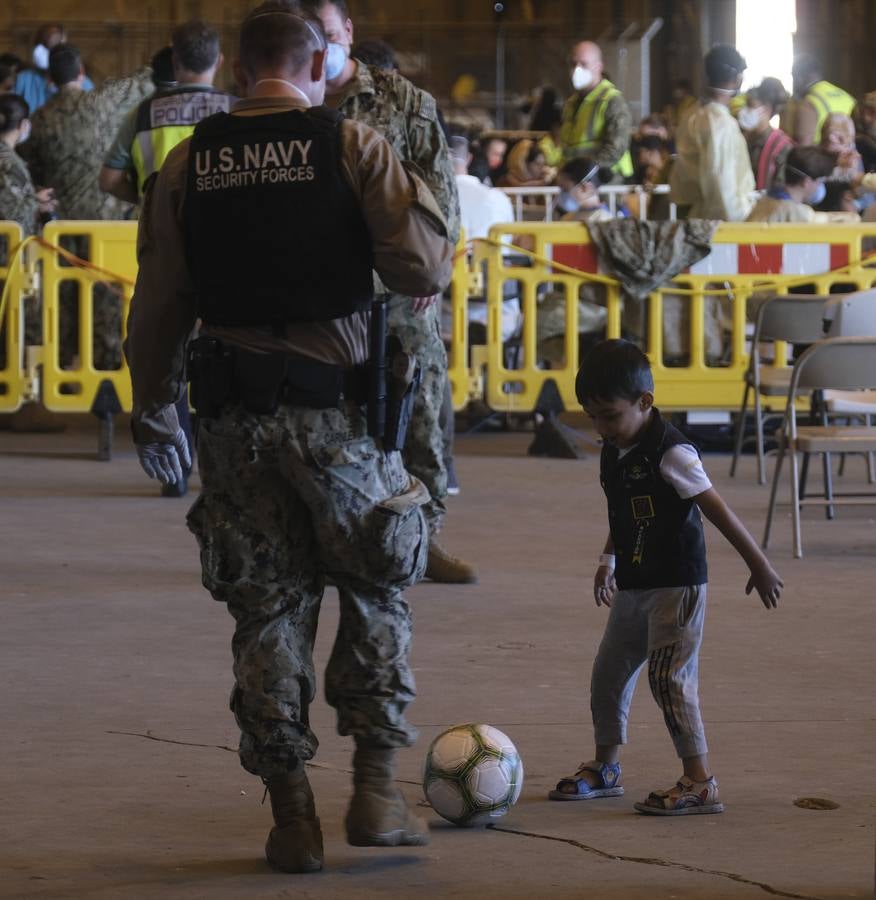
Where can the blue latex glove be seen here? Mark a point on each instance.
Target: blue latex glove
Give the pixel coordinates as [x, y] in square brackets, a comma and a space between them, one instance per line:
[166, 462]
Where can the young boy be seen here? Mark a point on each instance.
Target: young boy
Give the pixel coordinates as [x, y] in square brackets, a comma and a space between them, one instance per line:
[652, 574]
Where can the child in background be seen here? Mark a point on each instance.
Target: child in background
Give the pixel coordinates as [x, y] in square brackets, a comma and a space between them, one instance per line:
[652, 575]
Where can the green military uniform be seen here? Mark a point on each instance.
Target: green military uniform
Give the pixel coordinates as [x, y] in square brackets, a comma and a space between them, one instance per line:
[68, 141]
[70, 137]
[18, 202]
[598, 124]
[408, 118]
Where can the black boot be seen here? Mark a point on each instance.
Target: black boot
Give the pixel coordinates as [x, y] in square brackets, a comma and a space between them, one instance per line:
[378, 815]
[295, 843]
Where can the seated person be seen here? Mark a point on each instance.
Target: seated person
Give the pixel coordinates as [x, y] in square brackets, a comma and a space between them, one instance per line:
[806, 169]
[527, 167]
[838, 137]
[652, 162]
[839, 197]
[579, 181]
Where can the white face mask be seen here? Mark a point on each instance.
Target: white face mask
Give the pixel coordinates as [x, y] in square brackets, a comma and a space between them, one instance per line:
[581, 78]
[41, 57]
[24, 134]
[749, 118]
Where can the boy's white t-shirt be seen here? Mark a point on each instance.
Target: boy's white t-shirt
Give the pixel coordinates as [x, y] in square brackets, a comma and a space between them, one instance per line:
[682, 467]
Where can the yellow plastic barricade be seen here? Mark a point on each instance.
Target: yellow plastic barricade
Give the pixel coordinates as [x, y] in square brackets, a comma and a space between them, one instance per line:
[15, 385]
[459, 371]
[85, 311]
[745, 259]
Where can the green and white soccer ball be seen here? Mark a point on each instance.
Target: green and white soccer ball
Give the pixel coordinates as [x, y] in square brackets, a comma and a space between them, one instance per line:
[473, 774]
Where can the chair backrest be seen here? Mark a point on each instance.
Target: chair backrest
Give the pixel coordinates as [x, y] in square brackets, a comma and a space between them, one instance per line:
[796, 318]
[843, 363]
[851, 315]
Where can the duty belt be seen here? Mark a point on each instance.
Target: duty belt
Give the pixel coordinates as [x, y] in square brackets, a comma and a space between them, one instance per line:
[262, 381]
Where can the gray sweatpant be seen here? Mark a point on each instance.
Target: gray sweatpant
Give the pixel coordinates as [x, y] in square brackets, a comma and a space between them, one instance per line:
[663, 627]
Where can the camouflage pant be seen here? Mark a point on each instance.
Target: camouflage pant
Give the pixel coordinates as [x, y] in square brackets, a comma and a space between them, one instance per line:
[424, 446]
[286, 500]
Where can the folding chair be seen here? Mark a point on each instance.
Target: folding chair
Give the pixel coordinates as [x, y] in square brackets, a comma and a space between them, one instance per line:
[792, 318]
[845, 364]
[852, 315]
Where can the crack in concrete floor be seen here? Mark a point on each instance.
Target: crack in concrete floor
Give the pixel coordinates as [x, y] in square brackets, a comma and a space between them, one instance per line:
[653, 861]
[603, 854]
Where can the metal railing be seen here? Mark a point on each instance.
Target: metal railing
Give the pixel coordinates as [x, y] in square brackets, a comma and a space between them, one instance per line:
[545, 197]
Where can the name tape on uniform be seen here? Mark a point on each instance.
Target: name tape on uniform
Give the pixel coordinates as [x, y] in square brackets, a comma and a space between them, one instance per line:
[273, 162]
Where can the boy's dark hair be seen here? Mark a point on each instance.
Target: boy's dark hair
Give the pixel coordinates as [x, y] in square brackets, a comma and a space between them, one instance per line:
[723, 64]
[613, 370]
[196, 45]
[65, 64]
[812, 162]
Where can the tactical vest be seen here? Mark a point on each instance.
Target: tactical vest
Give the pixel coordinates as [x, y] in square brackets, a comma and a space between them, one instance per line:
[274, 233]
[584, 123]
[827, 98]
[658, 537]
[168, 118]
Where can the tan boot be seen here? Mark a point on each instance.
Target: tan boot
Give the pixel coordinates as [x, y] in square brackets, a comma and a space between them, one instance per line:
[378, 815]
[295, 844]
[448, 569]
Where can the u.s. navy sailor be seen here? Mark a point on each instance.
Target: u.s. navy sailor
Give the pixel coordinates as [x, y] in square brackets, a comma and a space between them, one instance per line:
[267, 225]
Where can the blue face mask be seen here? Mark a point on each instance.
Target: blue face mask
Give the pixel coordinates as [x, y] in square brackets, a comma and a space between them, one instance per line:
[335, 60]
[567, 203]
[818, 194]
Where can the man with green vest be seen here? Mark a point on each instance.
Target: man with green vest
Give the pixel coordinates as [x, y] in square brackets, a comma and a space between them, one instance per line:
[158, 124]
[596, 118]
[815, 100]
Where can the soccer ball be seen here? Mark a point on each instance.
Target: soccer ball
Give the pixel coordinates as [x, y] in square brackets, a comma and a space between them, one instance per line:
[473, 774]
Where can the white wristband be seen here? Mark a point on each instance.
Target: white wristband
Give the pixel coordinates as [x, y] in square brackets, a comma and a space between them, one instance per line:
[607, 559]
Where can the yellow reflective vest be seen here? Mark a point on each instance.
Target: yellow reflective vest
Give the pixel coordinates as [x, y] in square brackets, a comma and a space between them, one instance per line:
[584, 124]
[168, 118]
[827, 98]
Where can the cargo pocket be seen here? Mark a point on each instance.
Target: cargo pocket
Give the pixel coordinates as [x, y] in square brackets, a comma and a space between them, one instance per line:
[401, 537]
[213, 559]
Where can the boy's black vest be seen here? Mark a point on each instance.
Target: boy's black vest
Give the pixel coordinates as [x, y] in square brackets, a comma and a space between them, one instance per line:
[658, 537]
[274, 233]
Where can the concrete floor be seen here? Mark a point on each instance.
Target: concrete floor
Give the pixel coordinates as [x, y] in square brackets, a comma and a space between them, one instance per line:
[119, 774]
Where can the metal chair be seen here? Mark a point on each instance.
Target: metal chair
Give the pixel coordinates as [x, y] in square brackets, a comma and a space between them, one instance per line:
[793, 318]
[852, 315]
[845, 364]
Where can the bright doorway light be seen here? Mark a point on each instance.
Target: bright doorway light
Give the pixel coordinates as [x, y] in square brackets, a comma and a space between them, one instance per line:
[765, 37]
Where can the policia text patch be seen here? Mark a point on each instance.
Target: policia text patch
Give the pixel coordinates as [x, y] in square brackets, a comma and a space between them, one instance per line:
[271, 162]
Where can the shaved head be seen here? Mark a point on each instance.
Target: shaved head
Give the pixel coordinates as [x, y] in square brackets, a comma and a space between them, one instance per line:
[589, 56]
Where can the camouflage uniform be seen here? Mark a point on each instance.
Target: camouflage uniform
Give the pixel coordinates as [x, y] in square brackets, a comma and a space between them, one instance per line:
[70, 136]
[408, 118]
[295, 496]
[286, 498]
[18, 203]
